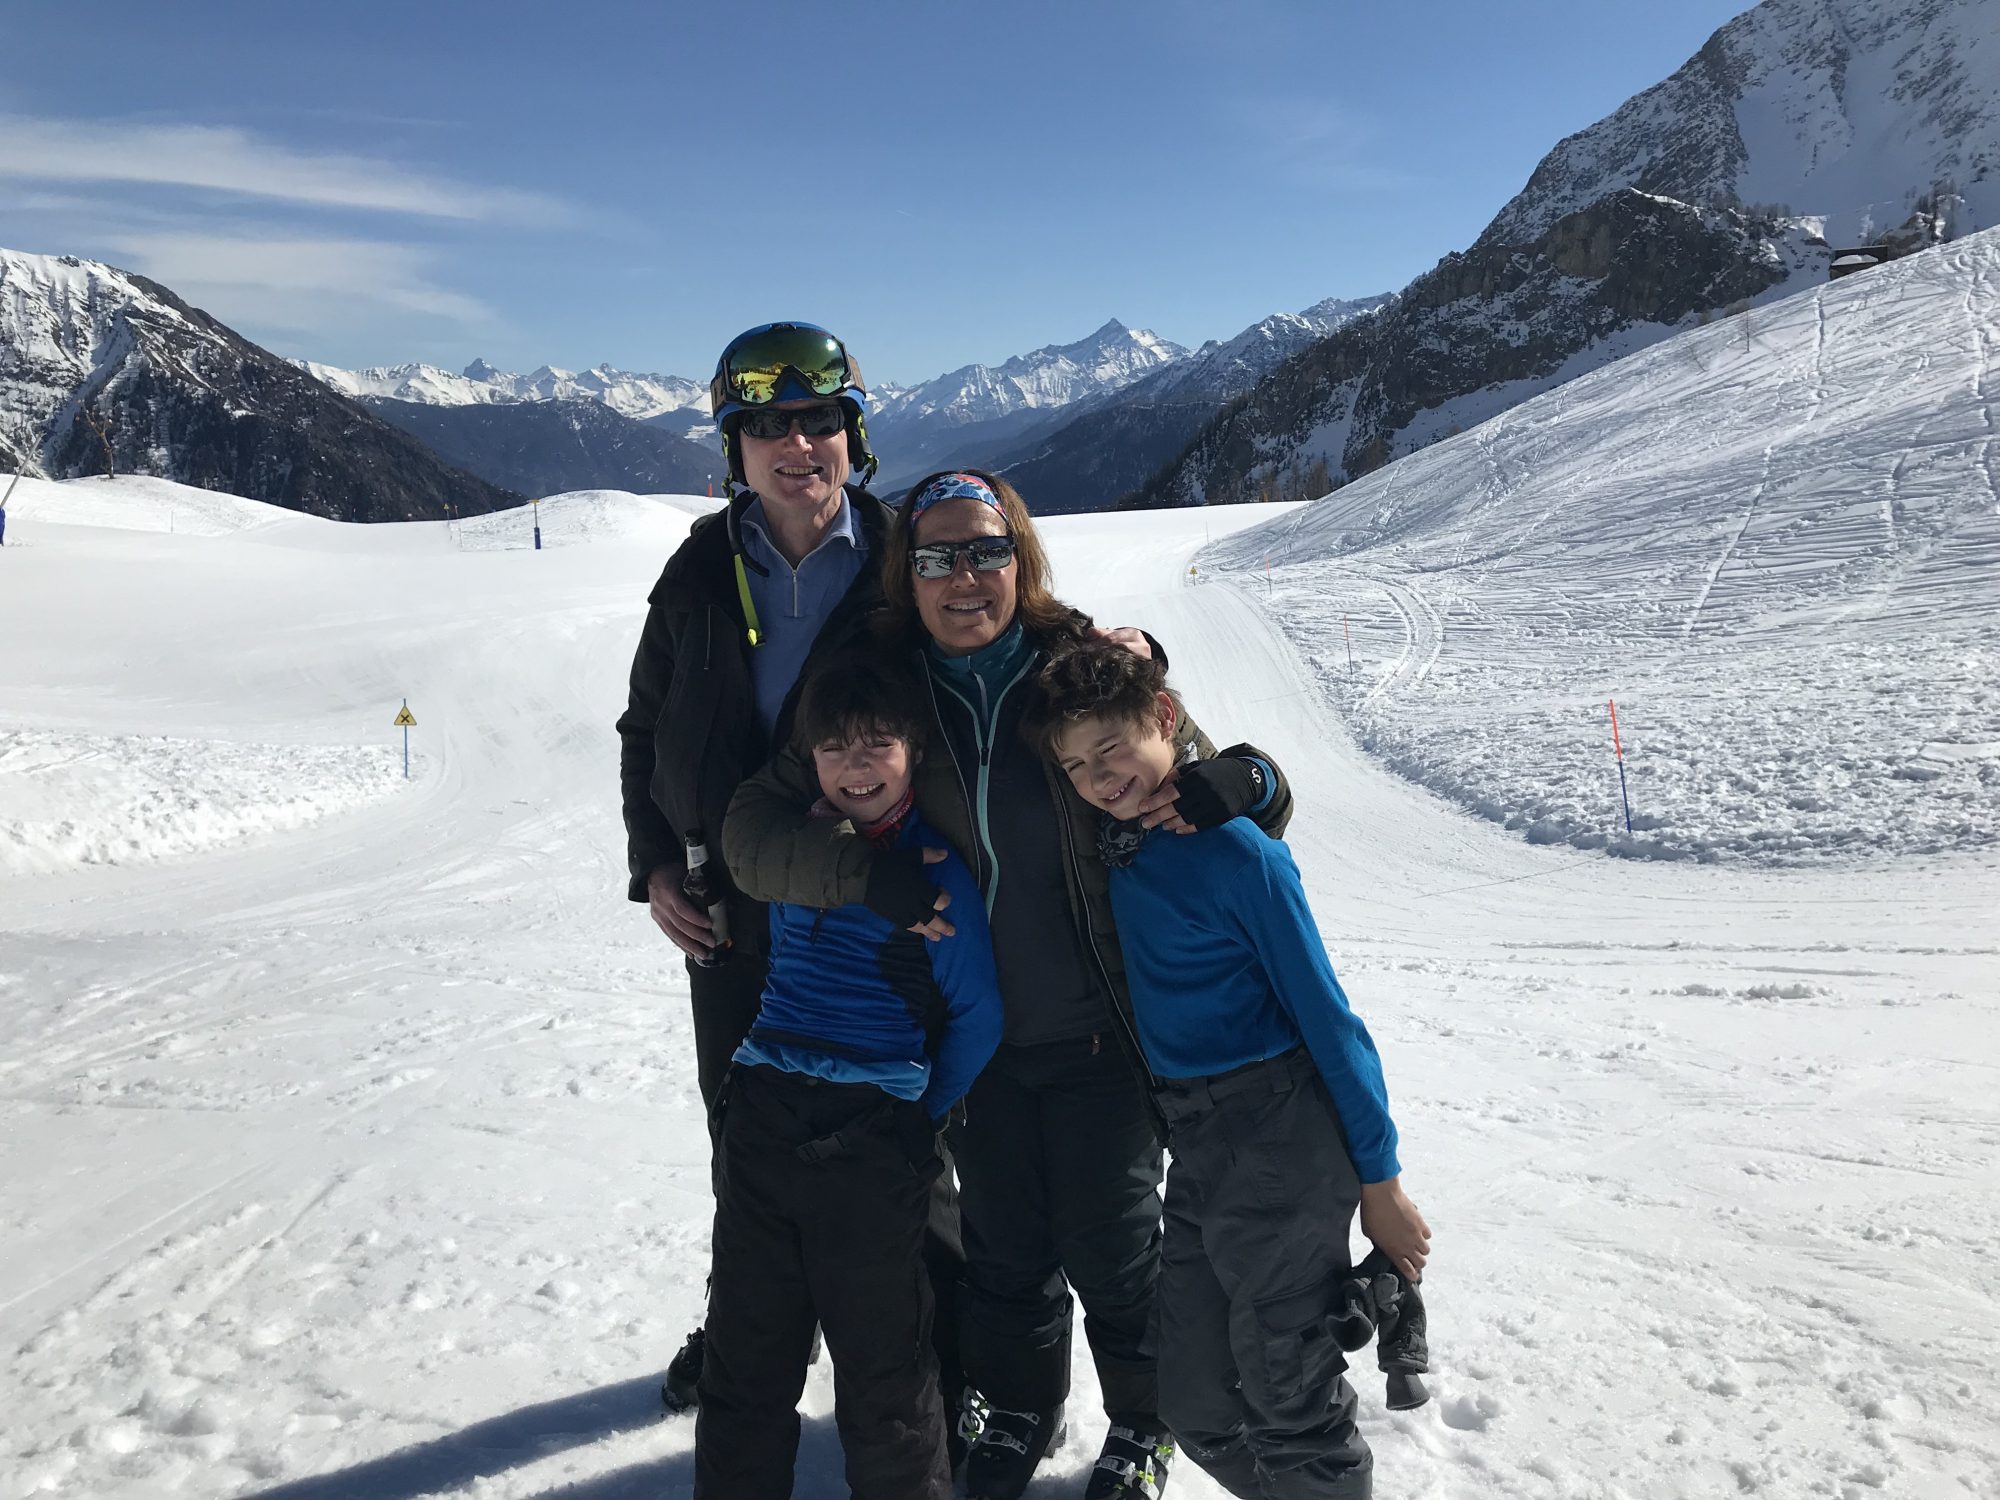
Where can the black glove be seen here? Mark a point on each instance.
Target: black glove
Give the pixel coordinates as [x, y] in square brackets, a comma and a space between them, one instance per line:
[1215, 790]
[898, 889]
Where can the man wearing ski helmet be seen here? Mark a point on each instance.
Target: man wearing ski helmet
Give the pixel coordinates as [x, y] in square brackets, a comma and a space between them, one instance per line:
[782, 576]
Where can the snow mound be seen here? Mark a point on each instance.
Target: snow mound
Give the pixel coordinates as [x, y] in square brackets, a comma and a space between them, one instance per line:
[141, 503]
[69, 799]
[583, 516]
[1774, 541]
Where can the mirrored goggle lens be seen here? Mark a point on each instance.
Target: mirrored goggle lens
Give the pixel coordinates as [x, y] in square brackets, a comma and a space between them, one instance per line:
[813, 421]
[752, 369]
[987, 555]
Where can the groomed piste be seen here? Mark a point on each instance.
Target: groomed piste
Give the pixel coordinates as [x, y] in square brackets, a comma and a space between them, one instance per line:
[349, 1125]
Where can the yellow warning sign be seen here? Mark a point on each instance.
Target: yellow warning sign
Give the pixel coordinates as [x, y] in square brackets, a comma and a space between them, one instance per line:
[405, 719]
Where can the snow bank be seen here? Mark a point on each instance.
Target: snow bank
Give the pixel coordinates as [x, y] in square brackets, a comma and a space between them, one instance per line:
[1773, 541]
[138, 502]
[580, 516]
[69, 799]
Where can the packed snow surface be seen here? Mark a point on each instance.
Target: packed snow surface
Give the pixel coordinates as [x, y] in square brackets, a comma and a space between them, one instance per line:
[364, 1158]
[1774, 542]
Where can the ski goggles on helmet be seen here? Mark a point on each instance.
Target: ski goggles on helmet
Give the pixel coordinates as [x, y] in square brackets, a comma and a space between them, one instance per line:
[986, 554]
[773, 423]
[757, 362]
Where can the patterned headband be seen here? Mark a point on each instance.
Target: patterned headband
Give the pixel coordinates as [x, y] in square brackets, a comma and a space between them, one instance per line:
[953, 487]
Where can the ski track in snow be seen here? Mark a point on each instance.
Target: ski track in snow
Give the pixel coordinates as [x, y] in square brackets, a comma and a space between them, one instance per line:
[363, 1157]
[1773, 546]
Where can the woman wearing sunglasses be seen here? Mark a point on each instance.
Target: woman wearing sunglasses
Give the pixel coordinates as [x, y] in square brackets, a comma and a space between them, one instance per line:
[785, 574]
[1058, 1154]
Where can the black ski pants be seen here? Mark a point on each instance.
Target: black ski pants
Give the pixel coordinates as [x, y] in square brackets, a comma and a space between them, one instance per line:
[822, 1195]
[726, 999]
[1259, 1204]
[1059, 1175]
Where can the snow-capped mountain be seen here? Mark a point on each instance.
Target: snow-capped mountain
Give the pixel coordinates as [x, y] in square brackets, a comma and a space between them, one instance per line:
[1219, 370]
[974, 414]
[100, 368]
[555, 447]
[1704, 195]
[1108, 446]
[1848, 110]
[1054, 375]
[640, 397]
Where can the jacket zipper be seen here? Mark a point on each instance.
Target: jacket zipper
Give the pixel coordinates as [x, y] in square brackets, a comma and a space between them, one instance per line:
[985, 724]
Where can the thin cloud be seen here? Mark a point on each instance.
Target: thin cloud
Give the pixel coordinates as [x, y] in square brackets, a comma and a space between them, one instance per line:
[1313, 140]
[229, 160]
[301, 285]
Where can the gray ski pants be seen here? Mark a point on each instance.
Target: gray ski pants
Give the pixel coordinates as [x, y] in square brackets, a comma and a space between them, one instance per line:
[1259, 1202]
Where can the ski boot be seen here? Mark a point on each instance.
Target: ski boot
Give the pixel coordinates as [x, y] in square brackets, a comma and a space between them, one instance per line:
[964, 1419]
[1010, 1445]
[1133, 1466]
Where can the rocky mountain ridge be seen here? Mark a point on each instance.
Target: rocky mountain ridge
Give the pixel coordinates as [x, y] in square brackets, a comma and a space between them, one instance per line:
[552, 447]
[1107, 446]
[1698, 198]
[102, 370]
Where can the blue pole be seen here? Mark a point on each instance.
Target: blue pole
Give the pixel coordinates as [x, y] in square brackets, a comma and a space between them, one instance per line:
[406, 752]
[1625, 795]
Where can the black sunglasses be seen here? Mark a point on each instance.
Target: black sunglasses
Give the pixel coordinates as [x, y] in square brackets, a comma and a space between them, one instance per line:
[772, 423]
[987, 554]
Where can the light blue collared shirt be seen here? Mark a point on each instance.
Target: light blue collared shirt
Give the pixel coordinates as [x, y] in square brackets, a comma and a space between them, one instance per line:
[793, 603]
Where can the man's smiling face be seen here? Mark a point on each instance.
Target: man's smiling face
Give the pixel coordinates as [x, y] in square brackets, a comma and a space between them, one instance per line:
[796, 472]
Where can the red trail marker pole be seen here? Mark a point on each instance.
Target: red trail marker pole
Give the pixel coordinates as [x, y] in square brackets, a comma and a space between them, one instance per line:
[1616, 744]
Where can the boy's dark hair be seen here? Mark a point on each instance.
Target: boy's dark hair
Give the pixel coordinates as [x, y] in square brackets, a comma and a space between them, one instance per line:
[858, 694]
[1095, 680]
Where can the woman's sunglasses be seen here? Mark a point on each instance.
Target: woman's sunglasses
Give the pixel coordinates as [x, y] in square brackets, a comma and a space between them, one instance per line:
[987, 554]
[772, 423]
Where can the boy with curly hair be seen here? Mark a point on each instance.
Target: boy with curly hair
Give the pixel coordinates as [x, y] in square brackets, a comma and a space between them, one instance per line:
[1274, 1094]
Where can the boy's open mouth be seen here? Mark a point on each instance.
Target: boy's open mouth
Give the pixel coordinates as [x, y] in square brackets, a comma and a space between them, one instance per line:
[1112, 797]
[862, 793]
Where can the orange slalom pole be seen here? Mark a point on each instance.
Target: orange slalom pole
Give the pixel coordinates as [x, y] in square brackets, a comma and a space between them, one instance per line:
[1624, 794]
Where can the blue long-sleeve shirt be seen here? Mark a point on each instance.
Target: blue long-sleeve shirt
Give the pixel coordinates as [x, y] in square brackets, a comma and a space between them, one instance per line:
[1227, 967]
[849, 994]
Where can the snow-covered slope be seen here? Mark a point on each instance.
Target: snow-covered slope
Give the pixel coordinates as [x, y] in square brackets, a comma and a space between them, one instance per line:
[1775, 541]
[637, 396]
[360, 1155]
[1849, 110]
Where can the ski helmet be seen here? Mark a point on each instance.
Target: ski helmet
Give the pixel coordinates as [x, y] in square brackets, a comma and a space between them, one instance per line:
[787, 362]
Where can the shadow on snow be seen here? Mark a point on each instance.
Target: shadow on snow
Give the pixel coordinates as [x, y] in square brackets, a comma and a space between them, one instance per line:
[490, 1448]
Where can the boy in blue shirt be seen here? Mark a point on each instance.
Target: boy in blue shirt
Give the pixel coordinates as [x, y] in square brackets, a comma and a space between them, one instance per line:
[826, 1140]
[1272, 1090]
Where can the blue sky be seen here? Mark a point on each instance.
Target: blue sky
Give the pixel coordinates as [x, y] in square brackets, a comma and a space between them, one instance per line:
[939, 182]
